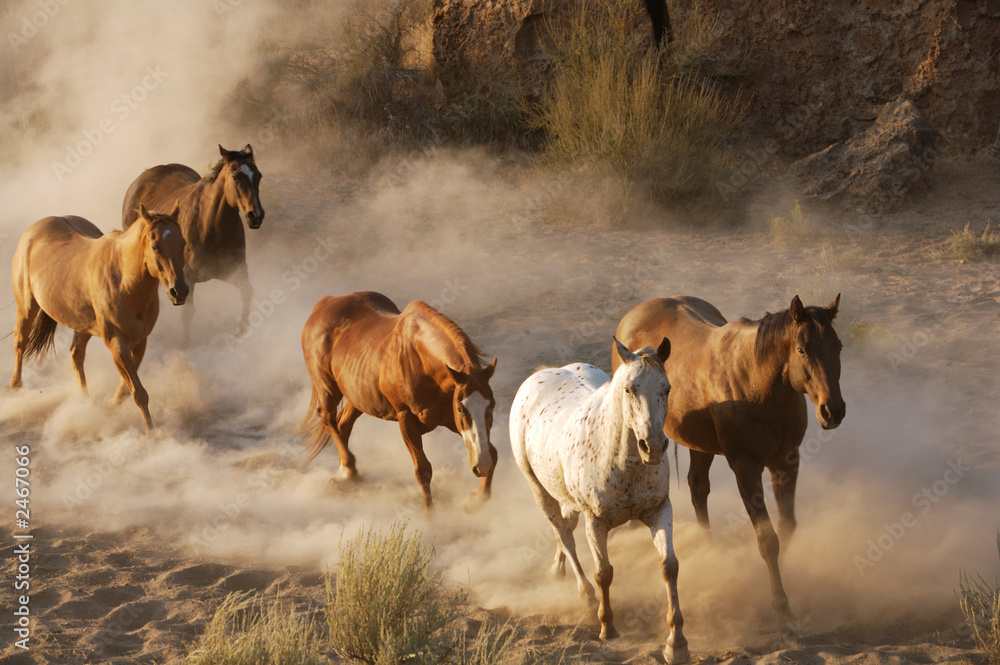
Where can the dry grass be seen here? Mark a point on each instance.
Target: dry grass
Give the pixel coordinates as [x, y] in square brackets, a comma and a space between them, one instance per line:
[619, 106]
[385, 606]
[965, 245]
[980, 603]
[247, 631]
[789, 230]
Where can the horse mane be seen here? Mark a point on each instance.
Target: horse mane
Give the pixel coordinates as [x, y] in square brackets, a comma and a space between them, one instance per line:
[214, 172]
[472, 352]
[771, 330]
[649, 358]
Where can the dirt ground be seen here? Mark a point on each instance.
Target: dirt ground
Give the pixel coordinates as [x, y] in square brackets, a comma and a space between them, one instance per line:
[138, 539]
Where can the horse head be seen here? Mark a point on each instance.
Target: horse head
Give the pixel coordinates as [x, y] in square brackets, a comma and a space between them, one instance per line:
[814, 360]
[645, 390]
[472, 404]
[242, 184]
[164, 251]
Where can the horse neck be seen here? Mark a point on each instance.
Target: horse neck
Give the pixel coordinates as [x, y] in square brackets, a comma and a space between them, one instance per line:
[615, 437]
[212, 203]
[130, 255]
[766, 377]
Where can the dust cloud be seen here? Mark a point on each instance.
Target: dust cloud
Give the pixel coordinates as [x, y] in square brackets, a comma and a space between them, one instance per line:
[890, 506]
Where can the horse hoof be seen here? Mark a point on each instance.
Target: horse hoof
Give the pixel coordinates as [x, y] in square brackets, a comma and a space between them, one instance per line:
[559, 571]
[676, 655]
[474, 502]
[608, 633]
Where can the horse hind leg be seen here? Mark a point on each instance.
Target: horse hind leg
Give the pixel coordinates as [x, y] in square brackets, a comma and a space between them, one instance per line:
[341, 434]
[22, 331]
[78, 352]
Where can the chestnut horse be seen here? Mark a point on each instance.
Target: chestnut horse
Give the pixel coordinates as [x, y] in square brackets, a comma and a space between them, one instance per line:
[592, 444]
[211, 208]
[416, 367]
[739, 391]
[65, 271]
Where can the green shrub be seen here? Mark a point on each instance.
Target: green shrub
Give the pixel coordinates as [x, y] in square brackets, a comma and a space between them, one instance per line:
[384, 606]
[246, 631]
[617, 105]
[980, 603]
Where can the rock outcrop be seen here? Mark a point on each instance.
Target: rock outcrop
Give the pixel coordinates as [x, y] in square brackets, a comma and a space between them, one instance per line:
[878, 168]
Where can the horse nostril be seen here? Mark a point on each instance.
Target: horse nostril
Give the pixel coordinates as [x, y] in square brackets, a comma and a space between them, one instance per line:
[643, 446]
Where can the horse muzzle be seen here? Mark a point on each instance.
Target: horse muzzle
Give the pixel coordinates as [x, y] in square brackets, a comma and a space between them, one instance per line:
[177, 294]
[651, 455]
[831, 414]
[255, 218]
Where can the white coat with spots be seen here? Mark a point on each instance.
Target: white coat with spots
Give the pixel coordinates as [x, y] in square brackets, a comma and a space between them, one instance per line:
[593, 445]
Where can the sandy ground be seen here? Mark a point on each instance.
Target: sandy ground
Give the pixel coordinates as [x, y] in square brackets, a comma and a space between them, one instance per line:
[138, 539]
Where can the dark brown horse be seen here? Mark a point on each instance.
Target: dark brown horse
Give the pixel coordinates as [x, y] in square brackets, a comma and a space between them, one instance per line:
[739, 390]
[211, 208]
[65, 271]
[416, 367]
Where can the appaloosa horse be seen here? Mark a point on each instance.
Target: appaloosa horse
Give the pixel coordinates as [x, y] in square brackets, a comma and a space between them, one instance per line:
[595, 446]
[416, 367]
[65, 271]
[739, 392]
[211, 208]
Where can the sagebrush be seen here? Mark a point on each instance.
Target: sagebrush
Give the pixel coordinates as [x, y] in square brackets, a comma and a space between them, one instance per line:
[385, 606]
[980, 603]
[246, 630]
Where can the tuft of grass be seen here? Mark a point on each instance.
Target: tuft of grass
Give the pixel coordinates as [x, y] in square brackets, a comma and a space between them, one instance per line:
[980, 603]
[616, 105]
[965, 245]
[788, 230]
[862, 332]
[493, 644]
[246, 631]
[385, 606]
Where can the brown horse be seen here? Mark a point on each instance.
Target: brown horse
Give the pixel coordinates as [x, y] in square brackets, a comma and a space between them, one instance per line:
[211, 208]
[738, 391]
[65, 271]
[416, 367]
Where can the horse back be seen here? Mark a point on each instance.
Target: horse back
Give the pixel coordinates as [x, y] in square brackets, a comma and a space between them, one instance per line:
[158, 189]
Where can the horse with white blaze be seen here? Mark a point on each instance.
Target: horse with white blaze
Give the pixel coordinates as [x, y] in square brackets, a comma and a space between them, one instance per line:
[592, 444]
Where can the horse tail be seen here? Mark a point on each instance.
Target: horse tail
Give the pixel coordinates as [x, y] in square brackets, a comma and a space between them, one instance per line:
[312, 424]
[41, 339]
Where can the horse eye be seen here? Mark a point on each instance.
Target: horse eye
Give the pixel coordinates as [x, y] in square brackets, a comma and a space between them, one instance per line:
[628, 390]
[802, 351]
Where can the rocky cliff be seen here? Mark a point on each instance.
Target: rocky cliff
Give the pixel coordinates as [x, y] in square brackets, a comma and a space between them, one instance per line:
[818, 72]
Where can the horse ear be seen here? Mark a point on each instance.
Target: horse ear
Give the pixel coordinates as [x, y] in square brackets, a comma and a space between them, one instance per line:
[623, 352]
[488, 370]
[797, 310]
[460, 377]
[143, 212]
[248, 150]
[833, 307]
[663, 350]
[176, 211]
[222, 151]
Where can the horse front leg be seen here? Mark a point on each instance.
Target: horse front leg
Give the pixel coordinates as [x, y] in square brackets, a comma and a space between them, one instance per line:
[784, 476]
[410, 428]
[241, 280]
[748, 478]
[482, 495]
[138, 352]
[699, 484]
[661, 525]
[187, 311]
[78, 352]
[121, 352]
[604, 573]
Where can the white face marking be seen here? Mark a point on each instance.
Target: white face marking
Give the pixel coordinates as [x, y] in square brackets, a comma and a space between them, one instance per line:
[248, 172]
[166, 233]
[475, 404]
